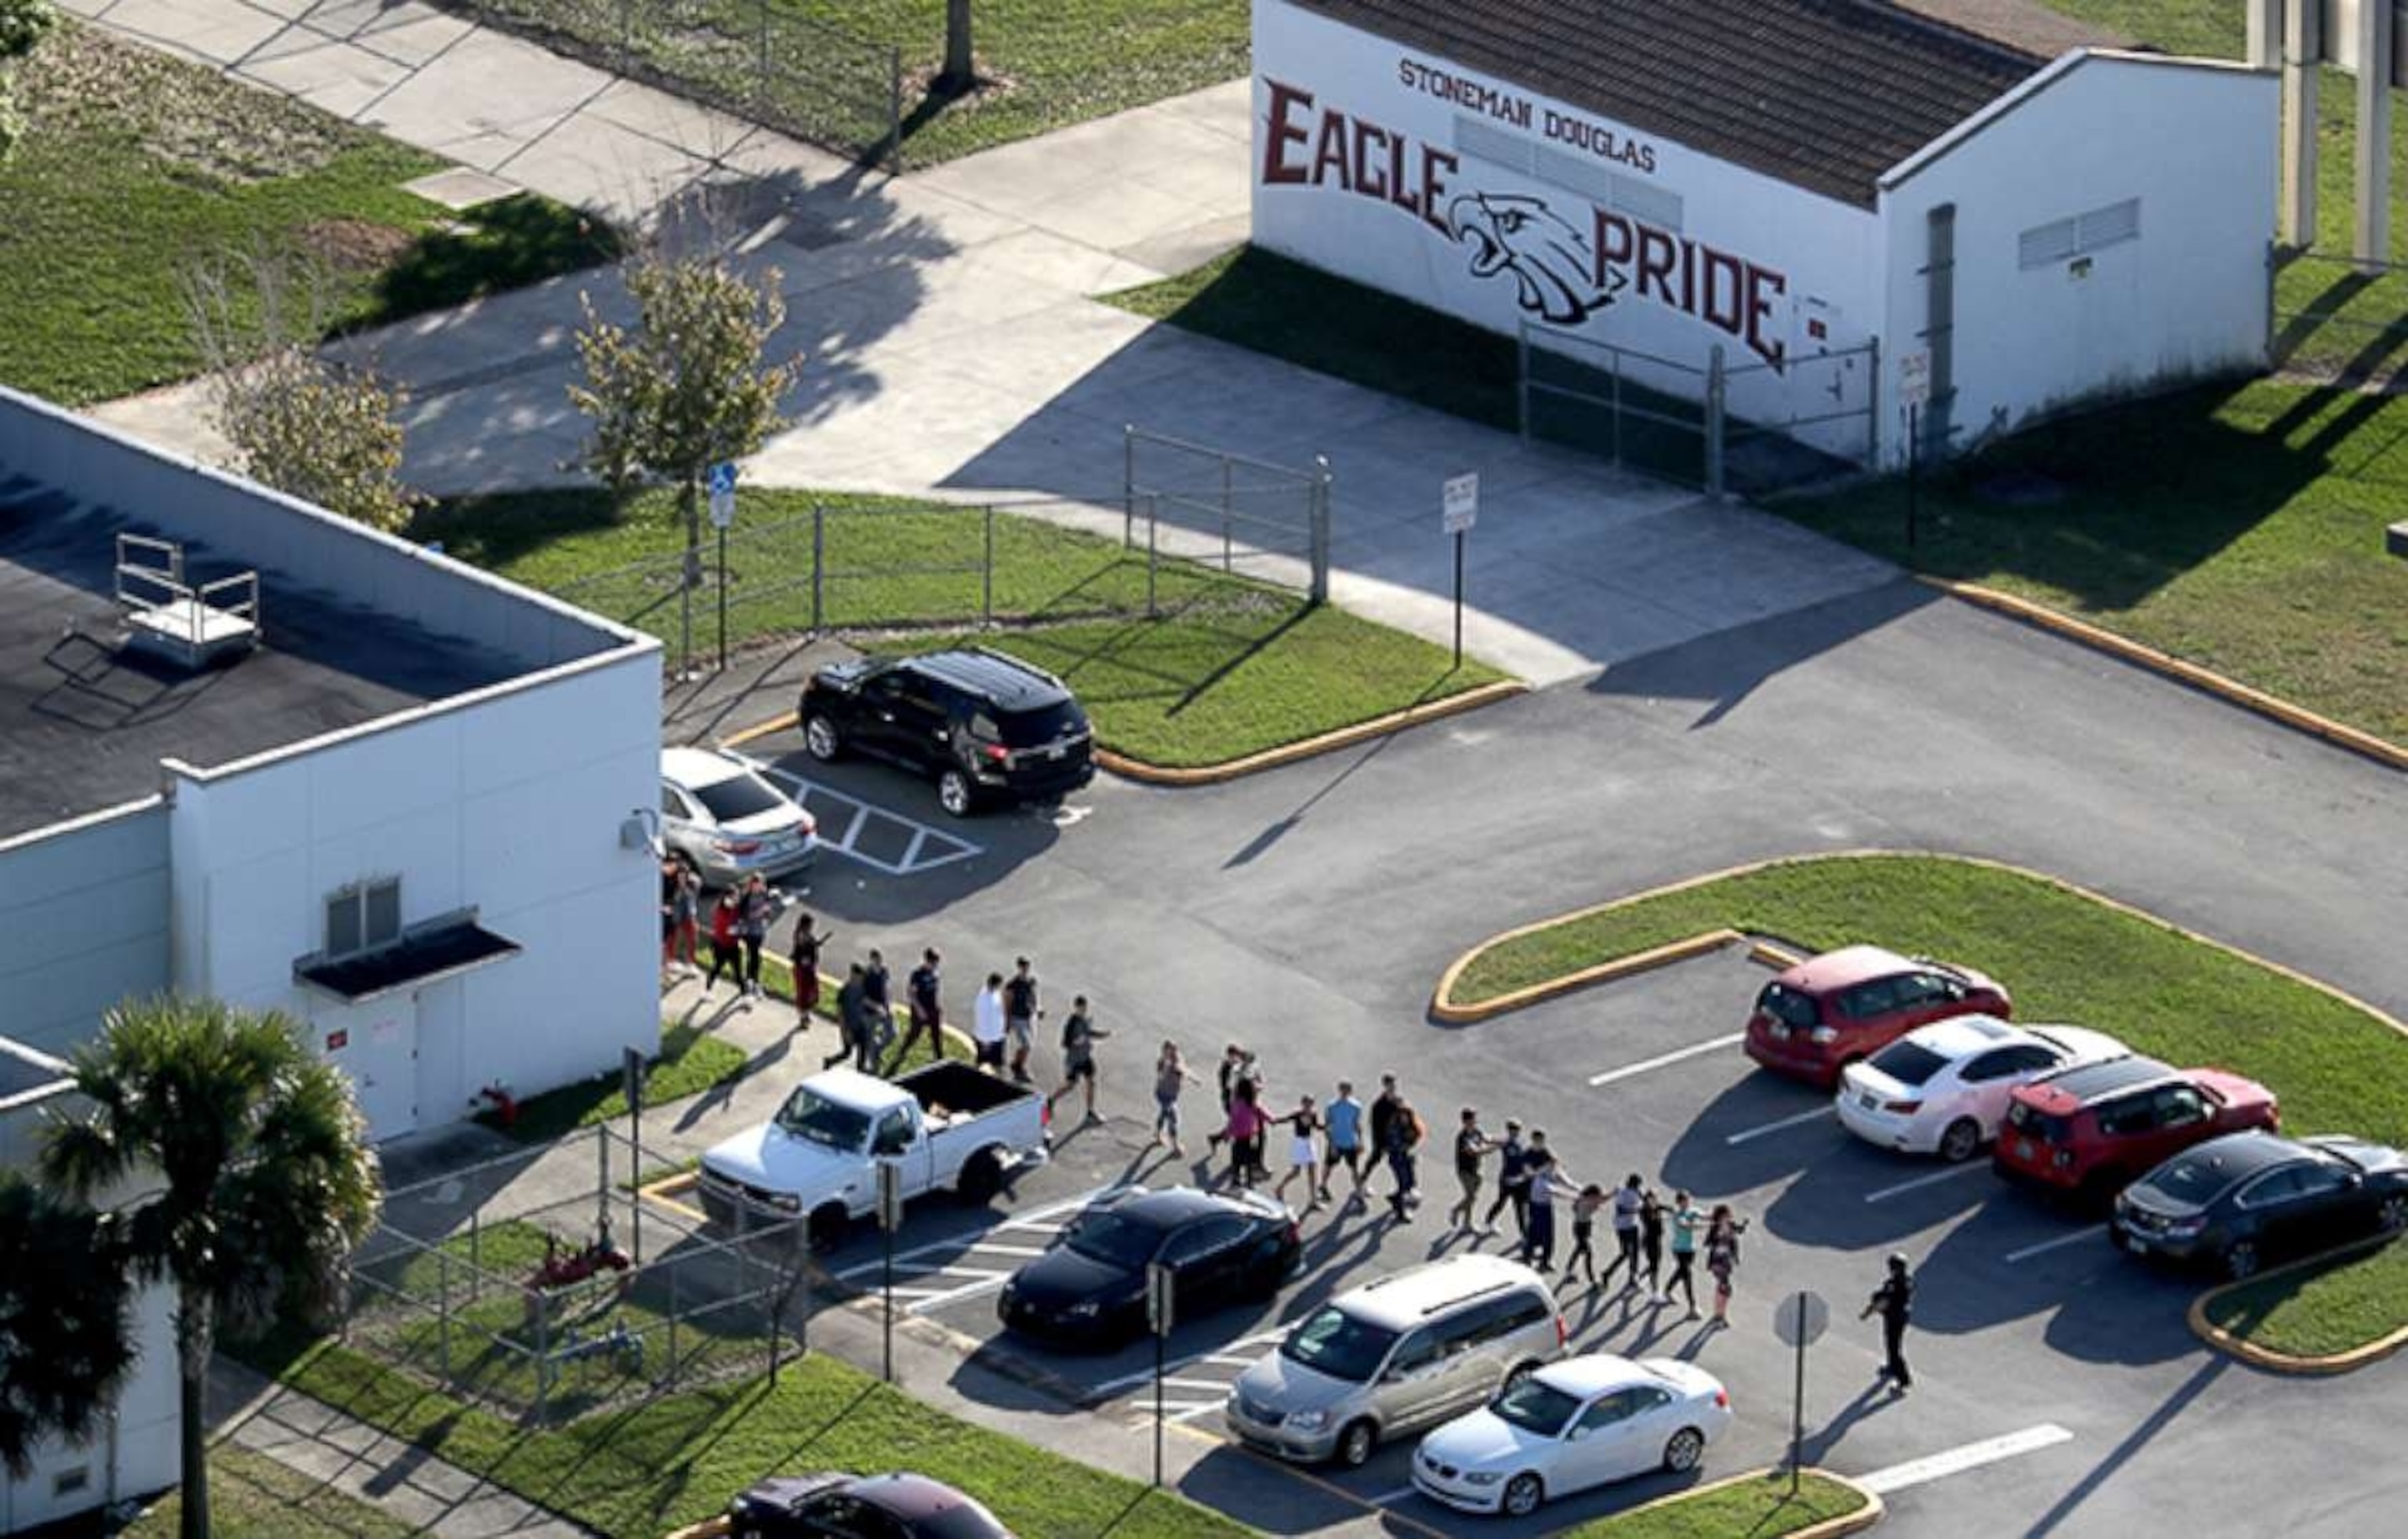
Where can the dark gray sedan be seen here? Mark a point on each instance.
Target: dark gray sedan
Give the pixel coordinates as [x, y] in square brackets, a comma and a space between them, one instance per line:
[2245, 1199]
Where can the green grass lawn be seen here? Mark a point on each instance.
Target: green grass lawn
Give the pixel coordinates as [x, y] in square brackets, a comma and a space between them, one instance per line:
[2357, 1299]
[690, 1061]
[637, 1474]
[1228, 668]
[2061, 956]
[1745, 1509]
[136, 164]
[253, 1497]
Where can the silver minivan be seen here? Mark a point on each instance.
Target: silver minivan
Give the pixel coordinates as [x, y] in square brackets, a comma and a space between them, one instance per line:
[1395, 1355]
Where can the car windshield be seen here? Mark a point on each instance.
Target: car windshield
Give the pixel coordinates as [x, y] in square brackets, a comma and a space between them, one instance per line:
[1335, 1343]
[809, 1115]
[2190, 1179]
[1909, 1063]
[1787, 1005]
[1115, 1238]
[738, 798]
[1535, 1408]
[1032, 728]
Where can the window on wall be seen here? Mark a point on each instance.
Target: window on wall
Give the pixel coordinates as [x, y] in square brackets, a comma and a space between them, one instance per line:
[2064, 239]
[362, 916]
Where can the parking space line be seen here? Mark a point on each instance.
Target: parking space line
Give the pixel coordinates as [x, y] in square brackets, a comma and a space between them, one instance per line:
[1209, 1386]
[1885, 1193]
[915, 859]
[1398, 1495]
[1752, 1134]
[1990, 1450]
[911, 851]
[2061, 1241]
[1110, 1386]
[991, 1247]
[1226, 1360]
[1702, 1048]
[986, 1282]
[1190, 1413]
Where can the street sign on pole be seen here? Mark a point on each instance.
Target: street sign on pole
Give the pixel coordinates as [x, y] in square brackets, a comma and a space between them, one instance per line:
[890, 1219]
[1913, 394]
[723, 494]
[1160, 1287]
[1458, 510]
[1915, 378]
[1799, 1321]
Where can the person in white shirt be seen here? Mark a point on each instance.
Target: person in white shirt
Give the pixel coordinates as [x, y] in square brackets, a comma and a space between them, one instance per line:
[986, 1023]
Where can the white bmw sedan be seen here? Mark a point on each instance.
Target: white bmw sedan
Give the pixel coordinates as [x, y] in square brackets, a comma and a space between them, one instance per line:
[1574, 1424]
[1943, 1088]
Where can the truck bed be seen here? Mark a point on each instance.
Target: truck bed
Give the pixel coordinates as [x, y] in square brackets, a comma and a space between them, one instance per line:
[952, 1090]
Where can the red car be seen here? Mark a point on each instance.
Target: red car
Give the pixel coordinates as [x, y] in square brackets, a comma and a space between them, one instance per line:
[1823, 1014]
[2091, 1131]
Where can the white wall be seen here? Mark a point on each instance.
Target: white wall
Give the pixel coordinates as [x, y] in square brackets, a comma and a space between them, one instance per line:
[83, 922]
[2195, 142]
[137, 1456]
[1797, 254]
[509, 801]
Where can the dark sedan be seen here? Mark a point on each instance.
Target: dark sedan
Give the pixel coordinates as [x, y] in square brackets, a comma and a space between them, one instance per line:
[2247, 1198]
[1089, 1289]
[870, 1506]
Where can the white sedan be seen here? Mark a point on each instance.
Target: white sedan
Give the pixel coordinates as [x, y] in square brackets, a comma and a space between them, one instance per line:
[1574, 1424]
[721, 817]
[1943, 1088]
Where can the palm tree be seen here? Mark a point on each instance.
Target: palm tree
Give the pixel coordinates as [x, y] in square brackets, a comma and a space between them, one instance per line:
[65, 1338]
[252, 1178]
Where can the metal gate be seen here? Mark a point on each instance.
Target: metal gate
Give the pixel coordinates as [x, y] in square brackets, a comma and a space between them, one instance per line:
[1631, 407]
[1808, 420]
[1243, 515]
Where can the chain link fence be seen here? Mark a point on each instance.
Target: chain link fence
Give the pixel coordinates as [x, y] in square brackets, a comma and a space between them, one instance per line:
[754, 58]
[2338, 321]
[542, 1286]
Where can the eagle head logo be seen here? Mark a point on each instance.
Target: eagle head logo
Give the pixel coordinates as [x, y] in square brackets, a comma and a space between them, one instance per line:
[1554, 270]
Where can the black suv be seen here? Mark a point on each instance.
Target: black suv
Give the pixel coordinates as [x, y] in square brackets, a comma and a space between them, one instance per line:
[988, 727]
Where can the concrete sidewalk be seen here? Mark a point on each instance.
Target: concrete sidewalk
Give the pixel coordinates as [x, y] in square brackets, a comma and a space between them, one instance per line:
[952, 345]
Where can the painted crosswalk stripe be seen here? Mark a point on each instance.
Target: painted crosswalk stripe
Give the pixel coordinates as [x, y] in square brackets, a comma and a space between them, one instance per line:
[2078, 1236]
[1189, 1413]
[1752, 1134]
[1885, 1193]
[1990, 1450]
[1112, 1386]
[989, 1248]
[1206, 1385]
[985, 1282]
[1628, 1070]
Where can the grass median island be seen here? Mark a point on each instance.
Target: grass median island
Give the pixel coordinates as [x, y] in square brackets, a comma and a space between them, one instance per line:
[252, 1496]
[640, 1473]
[1750, 1507]
[2333, 1307]
[135, 164]
[1227, 668]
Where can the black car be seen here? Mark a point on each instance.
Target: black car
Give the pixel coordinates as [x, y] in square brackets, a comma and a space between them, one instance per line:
[847, 1506]
[1089, 1289]
[987, 727]
[2247, 1198]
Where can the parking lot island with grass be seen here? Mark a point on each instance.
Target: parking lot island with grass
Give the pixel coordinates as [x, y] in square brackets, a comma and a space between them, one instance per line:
[1758, 1506]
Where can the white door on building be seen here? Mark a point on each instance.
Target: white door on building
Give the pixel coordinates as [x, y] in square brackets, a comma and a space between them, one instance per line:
[376, 1046]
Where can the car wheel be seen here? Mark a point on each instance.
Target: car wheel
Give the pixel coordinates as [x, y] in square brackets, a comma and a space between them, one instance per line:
[1522, 1495]
[2392, 1217]
[1357, 1443]
[1961, 1142]
[1685, 1449]
[982, 1178]
[955, 794]
[821, 739]
[827, 1227]
[2242, 1259]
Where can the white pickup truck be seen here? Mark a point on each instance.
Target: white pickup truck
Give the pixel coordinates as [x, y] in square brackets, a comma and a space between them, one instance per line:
[946, 1126]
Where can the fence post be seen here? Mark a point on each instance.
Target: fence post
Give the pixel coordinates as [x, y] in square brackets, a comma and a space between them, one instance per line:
[476, 1263]
[673, 1323]
[1321, 530]
[1715, 383]
[1873, 408]
[1522, 379]
[443, 1310]
[542, 1354]
[1226, 510]
[762, 88]
[819, 563]
[1128, 486]
[895, 110]
[986, 572]
[1153, 524]
[602, 1184]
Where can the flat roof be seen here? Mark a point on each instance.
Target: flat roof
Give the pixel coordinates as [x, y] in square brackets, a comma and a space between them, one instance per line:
[1825, 95]
[84, 722]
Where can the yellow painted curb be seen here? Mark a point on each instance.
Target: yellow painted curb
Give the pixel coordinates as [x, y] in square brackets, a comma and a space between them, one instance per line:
[666, 1192]
[1328, 742]
[1442, 1003]
[2285, 1362]
[1779, 957]
[2273, 707]
[757, 730]
[710, 1527]
[1443, 1009]
[1830, 1528]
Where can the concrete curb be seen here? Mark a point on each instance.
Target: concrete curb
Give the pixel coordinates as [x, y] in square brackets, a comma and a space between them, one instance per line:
[1830, 1528]
[1482, 1009]
[1443, 1009]
[2272, 708]
[1328, 742]
[2324, 1366]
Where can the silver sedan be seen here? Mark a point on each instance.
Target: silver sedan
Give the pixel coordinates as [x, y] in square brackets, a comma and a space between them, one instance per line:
[725, 820]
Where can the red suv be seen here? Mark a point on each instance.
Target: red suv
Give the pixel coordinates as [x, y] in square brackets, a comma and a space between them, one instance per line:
[2093, 1129]
[1823, 1014]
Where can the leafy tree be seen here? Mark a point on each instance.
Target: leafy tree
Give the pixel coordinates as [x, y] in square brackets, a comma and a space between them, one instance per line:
[67, 1338]
[961, 70]
[326, 433]
[254, 1177]
[687, 386]
[22, 24]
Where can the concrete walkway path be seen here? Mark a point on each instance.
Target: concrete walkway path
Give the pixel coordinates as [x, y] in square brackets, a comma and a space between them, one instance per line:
[951, 342]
